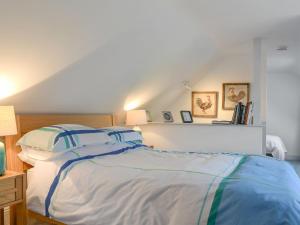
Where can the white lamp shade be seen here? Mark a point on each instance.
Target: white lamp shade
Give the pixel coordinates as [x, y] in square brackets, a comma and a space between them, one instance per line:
[136, 117]
[7, 121]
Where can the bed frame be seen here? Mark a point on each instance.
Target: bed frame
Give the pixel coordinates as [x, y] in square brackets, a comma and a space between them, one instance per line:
[29, 122]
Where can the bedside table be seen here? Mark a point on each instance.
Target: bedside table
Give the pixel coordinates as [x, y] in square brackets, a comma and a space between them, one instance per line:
[12, 194]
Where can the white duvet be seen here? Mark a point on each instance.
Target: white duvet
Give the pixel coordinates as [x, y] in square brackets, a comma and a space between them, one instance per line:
[137, 187]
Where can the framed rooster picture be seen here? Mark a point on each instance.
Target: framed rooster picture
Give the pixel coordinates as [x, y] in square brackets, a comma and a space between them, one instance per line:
[233, 93]
[205, 104]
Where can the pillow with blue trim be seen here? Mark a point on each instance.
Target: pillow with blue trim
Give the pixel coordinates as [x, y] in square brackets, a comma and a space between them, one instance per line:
[123, 134]
[64, 137]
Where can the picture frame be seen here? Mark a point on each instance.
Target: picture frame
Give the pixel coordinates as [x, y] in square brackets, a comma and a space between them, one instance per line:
[233, 93]
[205, 104]
[186, 116]
[167, 116]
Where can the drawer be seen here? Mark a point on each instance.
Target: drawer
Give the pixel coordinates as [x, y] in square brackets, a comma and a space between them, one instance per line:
[7, 198]
[7, 184]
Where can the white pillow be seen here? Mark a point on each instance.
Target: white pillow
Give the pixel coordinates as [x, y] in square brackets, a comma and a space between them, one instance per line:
[31, 155]
[25, 158]
[40, 154]
[123, 134]
[63, 137]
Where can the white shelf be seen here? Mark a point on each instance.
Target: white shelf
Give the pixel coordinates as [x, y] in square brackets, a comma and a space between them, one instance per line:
[204, 137]
[201, 124]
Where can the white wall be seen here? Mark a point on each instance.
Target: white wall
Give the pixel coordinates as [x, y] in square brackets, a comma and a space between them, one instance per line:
[96, 56]
[283, 109]
[259, 88]
[235, 66]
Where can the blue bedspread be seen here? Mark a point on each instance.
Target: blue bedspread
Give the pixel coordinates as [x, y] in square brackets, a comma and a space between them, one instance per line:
[260, 191]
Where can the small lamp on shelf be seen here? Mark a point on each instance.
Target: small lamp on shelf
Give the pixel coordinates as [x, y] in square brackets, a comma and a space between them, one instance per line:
[7, 127]
[136, 118]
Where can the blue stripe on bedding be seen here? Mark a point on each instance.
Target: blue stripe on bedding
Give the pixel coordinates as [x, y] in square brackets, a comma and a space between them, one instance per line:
[72, 132]
[70, 162]
[67, 134]
[120, 132]
[261, 191]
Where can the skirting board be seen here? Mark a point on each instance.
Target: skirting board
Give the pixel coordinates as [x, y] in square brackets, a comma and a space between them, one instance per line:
[293, 157]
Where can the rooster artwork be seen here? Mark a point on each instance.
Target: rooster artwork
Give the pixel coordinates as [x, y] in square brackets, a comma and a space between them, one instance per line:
[233, 93]
[236, 98]
[204, 104]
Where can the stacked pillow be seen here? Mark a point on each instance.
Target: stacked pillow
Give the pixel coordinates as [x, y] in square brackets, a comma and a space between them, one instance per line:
[122, 134]
[63, 137]
[49, 142]
[32, 155]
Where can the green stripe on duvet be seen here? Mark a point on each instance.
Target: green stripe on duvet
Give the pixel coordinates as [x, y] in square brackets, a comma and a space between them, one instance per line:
[67, 143]
[210, 186]
[218, 196]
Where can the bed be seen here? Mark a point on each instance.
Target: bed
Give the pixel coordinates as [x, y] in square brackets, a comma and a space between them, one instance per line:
[132, 184]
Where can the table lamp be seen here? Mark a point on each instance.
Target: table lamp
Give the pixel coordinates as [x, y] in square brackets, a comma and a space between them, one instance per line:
[7, 127]
[135, 118]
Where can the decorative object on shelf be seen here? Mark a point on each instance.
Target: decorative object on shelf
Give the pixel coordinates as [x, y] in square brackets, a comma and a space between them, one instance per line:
[7, 127]
[205, 104]
[221, 122]
[149, 118]
[243, 114]
[136, 118]
[167, 116]
[233, 93]
[186, 116]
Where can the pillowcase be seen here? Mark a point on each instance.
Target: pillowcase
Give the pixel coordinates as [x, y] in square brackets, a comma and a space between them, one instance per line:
[123, 134]
[41, 155]
[25, 158]
[63, 137]
[32, 155]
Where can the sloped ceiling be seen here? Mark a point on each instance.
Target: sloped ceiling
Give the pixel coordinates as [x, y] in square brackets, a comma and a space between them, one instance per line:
[97, 56]
[286, 61]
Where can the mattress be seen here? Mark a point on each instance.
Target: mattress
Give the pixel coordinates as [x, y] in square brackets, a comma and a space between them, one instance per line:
[134, 185]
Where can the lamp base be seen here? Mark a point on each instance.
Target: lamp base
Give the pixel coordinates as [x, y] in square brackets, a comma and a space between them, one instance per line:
[2, 159]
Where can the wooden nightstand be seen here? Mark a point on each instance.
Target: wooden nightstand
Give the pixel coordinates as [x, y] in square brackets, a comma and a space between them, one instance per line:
[12, 194]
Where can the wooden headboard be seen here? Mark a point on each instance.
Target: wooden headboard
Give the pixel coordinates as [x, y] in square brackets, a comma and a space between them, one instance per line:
[29, 122]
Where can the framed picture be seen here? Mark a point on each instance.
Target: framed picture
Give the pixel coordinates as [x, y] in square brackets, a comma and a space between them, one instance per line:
[167, 116]
[186, 116]
[234, 93]
[205, 104]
